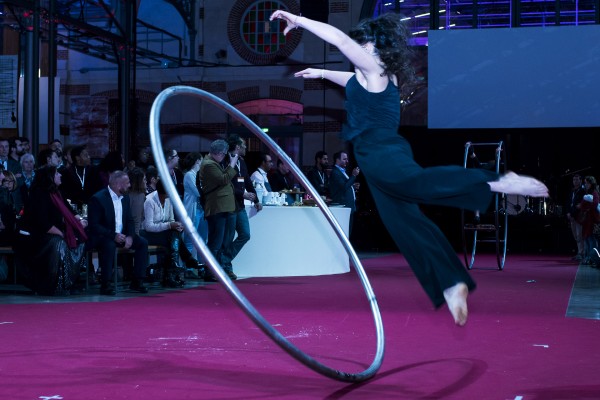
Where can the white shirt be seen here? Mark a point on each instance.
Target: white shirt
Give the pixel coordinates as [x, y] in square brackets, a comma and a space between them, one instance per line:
[258, 178]
[118, 206]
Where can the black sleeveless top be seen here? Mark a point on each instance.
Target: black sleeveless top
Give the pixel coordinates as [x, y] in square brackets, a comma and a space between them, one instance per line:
[366, 110]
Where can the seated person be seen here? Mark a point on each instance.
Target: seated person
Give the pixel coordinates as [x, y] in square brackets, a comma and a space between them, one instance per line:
[111, 225]
[160, 228]
[259, 178]
[50, 247]
[281, 179]
[8, 214]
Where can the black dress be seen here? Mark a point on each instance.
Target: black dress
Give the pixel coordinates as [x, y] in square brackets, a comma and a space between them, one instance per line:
[398, 185]
[47, 264]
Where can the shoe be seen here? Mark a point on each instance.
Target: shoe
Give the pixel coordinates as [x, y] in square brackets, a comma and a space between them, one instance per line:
[231, 274]
[209, 277]
[107, 291]
[170, 283]
[191, 274]
[577, 258]
[228, 269]
[138, 286]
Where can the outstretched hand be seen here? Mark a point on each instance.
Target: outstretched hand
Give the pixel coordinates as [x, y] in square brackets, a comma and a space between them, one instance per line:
[289, 18]
[309, 73]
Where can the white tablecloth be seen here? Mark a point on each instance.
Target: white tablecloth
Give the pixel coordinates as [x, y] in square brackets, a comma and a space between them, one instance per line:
[293, 241]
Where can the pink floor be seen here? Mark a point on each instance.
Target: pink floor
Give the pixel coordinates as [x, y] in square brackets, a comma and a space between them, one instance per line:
[196, 343]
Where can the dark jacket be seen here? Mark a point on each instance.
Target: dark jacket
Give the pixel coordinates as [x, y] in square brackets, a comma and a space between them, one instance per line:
[101, 217]
[341, 189]
[241, 182]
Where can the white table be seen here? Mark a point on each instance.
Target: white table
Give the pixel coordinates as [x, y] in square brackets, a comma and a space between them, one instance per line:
[293, 241]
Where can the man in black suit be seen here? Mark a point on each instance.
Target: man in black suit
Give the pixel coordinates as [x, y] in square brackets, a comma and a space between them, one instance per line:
[341, 186]
[110, 226]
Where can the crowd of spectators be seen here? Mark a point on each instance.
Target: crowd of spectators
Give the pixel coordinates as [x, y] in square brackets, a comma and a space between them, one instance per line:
[64, 204]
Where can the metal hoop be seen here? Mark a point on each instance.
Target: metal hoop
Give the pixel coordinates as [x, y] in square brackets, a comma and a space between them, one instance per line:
[231, 288]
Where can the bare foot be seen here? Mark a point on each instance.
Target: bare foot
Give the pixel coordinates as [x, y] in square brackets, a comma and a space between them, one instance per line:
[511, 183]
[456, 298]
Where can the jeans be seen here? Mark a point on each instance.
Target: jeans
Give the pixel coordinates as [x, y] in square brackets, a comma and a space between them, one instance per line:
[242, 228]
[202, 227]
[221, 228]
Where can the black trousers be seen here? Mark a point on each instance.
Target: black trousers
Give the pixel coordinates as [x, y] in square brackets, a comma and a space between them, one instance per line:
[106, 257]
[398, 185]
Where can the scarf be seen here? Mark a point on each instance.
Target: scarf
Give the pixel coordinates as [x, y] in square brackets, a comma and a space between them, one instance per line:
[73, 227]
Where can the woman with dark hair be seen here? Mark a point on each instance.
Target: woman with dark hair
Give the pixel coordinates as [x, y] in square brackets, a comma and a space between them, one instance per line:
[379, 50]
[137, 196]
[51, 240]
[160, 228]
[191, 199]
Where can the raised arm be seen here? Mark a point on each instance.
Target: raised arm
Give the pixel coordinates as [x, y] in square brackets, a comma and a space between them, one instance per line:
[352, 50]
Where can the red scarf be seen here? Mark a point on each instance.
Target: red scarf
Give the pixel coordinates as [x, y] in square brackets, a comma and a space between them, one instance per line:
[73, 228]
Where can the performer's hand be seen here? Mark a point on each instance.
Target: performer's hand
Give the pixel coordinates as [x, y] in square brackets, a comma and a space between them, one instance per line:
[309, 73]
[258, 206]
[290, 19]
[128, 242]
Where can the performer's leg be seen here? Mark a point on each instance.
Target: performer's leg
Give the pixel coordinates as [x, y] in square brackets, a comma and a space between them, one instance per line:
[431, 257]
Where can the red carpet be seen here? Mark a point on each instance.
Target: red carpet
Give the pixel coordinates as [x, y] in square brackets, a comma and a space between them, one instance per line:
[196, 344]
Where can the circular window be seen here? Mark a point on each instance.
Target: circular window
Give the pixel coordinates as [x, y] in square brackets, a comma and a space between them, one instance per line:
[255, 38]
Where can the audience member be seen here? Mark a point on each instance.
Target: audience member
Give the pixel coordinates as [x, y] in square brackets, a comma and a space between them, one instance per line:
[48, 157]
[151, 179]
[26, 145]
[24, 182]
[191, 201]
[281, 179]
[259, 177]
[7, 212]
[143, 158]
[15, 151]
[7, 163]
[112, 161]
[161, 229]
[243, 190]
[51, 245]
[111, 226]
[341, 186]
[575, 198]
[588, 217]
[57, 146]
[66, 159]
[81, 180]
[176, 175]
[317, 175]
[137, 196]
[219, 204]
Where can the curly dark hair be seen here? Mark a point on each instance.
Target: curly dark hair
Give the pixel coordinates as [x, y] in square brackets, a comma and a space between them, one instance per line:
[390, 36]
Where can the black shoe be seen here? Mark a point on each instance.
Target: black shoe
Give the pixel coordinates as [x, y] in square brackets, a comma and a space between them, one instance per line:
[138, 286]
[229, 271]
[209, 277]
[107, 291]
[231, 274]
[170, 283]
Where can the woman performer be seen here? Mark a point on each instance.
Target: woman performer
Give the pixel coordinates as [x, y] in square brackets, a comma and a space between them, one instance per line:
[379, 50]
